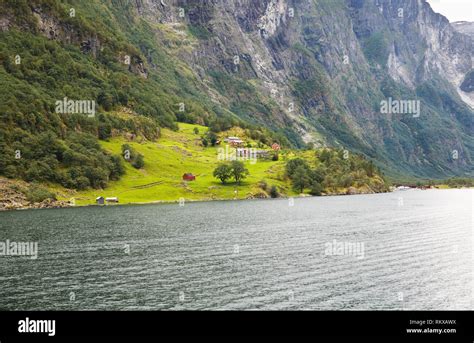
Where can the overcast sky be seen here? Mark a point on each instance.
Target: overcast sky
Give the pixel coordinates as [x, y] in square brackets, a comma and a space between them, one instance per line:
[454, 10]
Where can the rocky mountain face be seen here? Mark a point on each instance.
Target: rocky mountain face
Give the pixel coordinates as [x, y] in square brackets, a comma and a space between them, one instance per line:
[328, 64]
[465, 27]
[387, 78]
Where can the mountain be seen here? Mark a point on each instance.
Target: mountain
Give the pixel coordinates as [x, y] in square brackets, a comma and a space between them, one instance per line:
[320, 71]
[465, 27]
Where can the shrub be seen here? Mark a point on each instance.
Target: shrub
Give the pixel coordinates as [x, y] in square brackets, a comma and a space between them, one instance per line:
[292, 165]
[212, 137]
[132, 156]
[274, 192]
[139, 162]
[117, 168]
[82, 183]
[10, 172]
[37, 193]
[316, 189]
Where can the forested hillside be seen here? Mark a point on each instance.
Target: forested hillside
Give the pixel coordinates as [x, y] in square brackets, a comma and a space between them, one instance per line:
[297, 73]
[47, 55]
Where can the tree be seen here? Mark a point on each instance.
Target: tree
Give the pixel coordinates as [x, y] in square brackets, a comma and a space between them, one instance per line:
[274, 192]
[325, 156]
[196, 131]
[212, 137]
[317, 175]
[117, 168]
[81, 183]
[293, 164]
[105, 131]
[369, 168]
[223, 172]
[300, 179]
[239, 171]
[316, 189]
[346, 181]
[105, 100]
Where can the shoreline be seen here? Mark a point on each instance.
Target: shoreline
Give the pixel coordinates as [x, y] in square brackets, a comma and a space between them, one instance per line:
[64, 204]
[48, 204]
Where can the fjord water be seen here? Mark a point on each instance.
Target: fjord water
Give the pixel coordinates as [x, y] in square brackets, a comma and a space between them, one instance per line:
[246, 255]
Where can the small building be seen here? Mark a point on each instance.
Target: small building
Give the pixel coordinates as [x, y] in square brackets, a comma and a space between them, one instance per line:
[234, 141]
[276, 146]
[113, 200]
[100, 200]
[262, 154]
[245, 153]
[189, 177]
[228, 139]
[250, 153]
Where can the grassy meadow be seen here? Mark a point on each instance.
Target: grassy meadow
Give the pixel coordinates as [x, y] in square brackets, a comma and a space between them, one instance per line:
[167, 159]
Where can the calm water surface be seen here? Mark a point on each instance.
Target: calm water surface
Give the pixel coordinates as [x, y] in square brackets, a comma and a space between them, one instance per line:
[418, 254]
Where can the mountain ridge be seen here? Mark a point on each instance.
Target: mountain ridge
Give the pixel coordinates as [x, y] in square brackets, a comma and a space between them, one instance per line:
[314, 71]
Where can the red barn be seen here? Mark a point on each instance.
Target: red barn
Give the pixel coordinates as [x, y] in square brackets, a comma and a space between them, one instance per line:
[276, 146]
[189, 177]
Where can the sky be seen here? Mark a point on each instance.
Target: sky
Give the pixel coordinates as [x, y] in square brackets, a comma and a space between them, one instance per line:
[454, 10]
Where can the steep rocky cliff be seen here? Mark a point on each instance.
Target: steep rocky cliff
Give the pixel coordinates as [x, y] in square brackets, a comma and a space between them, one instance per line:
[323, 67]
[317, 70]
[465, 27]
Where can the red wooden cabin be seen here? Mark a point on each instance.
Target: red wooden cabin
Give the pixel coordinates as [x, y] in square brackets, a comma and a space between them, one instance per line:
[189, 177]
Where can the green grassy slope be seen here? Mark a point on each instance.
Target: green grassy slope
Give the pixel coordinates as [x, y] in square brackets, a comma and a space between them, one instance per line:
[166, 160]
[179, 152]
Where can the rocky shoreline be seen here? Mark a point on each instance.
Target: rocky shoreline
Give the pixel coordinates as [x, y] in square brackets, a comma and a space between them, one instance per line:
[6, 205]
[12, 197]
